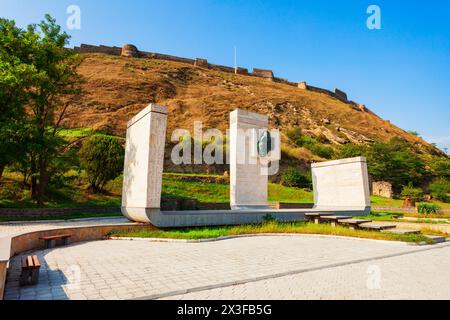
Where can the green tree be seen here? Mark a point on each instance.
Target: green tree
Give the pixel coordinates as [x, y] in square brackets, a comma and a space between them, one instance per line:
[16, 77]
[440, 167]
[394, 162]
[49, 68]
[102, 159]
[440, 188]
[412, 192]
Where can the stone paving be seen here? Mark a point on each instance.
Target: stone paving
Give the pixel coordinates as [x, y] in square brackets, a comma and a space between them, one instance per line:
[313, 267]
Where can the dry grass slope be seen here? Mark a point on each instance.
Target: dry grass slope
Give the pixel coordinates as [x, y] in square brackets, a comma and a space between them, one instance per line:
[117, 88]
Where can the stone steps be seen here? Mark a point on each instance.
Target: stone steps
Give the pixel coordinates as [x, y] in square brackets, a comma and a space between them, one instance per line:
[402, 231]
[377, 226]
[436, 239]
[353, 223]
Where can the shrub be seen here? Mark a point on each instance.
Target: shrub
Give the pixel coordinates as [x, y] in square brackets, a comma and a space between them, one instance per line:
[440, 188]
[321, 151]
[102, 159]
[428, 208]
[411, 192]
[11, 191]
[309, 143]
[351, 150]
[269, 218]
[291, 177]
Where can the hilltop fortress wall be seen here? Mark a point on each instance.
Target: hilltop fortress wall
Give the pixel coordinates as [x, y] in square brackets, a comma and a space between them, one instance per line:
[129, 50]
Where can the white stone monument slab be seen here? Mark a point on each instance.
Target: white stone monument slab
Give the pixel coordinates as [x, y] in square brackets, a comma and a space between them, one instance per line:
[248, 183]
[341, 185]
[144, 160]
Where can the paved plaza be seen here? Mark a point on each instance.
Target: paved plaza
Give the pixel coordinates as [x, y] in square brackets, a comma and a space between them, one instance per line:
[263, 267]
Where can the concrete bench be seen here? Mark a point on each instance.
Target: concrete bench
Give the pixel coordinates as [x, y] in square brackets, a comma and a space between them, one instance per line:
[333, 219]
[316, 216]
[377, 226]
[353, 223]
[50, 241]
[30, 270]
[402, 231]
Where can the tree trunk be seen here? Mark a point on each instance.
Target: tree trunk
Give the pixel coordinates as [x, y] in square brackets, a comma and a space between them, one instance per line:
[2, 168]
[409, 203]
[34, 184]
[43, 181]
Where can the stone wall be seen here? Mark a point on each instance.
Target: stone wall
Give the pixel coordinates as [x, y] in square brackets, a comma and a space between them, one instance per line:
[13, 213]
[262, 73]
[341, 95]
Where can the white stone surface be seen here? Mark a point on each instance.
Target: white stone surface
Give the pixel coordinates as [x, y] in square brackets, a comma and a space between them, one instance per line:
[341, 184]
[248, 184]
[144, 160]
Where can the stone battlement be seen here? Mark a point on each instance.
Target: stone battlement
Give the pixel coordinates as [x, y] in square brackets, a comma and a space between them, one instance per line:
[129, 50]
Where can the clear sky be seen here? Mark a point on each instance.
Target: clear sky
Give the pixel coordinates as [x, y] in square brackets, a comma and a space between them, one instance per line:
[401, 72]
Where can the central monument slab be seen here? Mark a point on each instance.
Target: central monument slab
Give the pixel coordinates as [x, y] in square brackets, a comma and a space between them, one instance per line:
[248, 183]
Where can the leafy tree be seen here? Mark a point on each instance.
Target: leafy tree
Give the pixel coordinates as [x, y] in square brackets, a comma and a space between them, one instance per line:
[412, 193]
[102, 159]
[440, 188]
[394, 162]
[49, 74]
[16, 76]
[440, 167]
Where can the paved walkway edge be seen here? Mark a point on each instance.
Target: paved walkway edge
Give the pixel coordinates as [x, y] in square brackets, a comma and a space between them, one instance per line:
[261, 235]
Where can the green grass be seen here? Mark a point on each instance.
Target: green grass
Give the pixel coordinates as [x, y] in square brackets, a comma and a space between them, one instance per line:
[273, 227]
[76, 193]
[398, 203]
[211, 192]
[81, 133]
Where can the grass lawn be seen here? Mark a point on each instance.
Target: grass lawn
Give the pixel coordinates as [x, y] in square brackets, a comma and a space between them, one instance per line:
[212, 192]
[387, 216]
[273, 227]
[76, 194]
[397, 203]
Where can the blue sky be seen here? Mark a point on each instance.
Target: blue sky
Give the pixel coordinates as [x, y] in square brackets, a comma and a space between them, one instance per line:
[401, 72]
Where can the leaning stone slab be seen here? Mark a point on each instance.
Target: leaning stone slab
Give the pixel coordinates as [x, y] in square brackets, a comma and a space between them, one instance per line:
[144, 159]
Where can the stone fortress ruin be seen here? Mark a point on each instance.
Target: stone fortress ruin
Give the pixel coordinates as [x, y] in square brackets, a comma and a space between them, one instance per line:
[129, 50]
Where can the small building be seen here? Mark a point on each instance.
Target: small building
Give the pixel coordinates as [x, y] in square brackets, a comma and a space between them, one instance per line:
[382, 189]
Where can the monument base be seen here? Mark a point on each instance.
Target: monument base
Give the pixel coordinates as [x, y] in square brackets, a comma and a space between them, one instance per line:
[139, 214]
[249, 207]
[203, 218]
